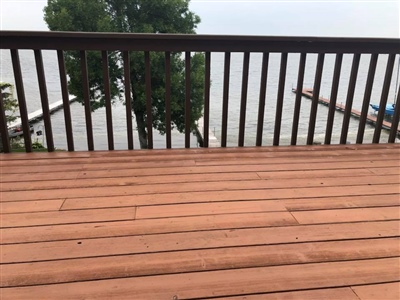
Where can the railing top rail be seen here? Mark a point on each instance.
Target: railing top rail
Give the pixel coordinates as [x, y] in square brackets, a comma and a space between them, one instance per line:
[193, 42]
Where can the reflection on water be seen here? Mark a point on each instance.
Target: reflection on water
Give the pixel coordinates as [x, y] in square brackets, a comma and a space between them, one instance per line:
[217, 67]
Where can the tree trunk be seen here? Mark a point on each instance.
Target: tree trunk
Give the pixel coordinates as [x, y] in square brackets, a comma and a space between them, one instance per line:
[141, 126]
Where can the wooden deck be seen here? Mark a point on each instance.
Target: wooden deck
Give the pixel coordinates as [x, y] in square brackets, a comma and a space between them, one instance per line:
[318, 222]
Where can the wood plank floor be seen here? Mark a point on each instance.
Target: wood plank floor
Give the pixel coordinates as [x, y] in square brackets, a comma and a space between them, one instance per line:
[305, 222]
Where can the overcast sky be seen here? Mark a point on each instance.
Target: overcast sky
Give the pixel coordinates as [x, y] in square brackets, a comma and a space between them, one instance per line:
[263, 17]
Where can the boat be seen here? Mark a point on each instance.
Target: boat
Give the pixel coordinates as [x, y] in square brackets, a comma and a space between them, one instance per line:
[17, 131]
[389, 110]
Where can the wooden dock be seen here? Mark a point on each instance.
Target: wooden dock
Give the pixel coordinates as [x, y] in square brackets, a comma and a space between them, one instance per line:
[303, 222]
[37, 115]
[371, 119]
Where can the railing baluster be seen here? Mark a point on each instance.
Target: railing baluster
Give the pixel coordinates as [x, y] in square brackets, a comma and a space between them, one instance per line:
[367, 98]
[395, 120]
[44, 99]
[3, 127]
[207, 100]
[261, 104]
[279, 101]
[65, 98]
[149, 108]
[349, 98]
[107, 94]
[187, 99]
[333, 98]
[243, 102]
[23, 111]
[225, 101]
[168, 99]
[315, 98]
[297, 105]
[86, 98]
[128, 101]
[384, 97]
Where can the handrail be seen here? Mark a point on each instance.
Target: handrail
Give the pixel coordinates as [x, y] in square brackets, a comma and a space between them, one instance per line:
[193, 42]
[167, 43]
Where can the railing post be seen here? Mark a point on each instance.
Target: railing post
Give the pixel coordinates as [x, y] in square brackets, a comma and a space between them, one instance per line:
[384, 97]
[207, 80]
[367, 98]
[65, 99]
[128, 99]
[86, 98]
[3, 127]
[107, 95]
[279, 103]
[333, 98]
[243, 102]
[315, 98]
[149, 112]
[21, 100]
[261, 103]
[225, 100]
[299, 90]
[187, 100]
[349, 99]
[395, 120]
[45, 100]
[168, 99]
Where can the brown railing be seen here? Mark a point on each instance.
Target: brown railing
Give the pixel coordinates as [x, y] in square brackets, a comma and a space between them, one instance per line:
[83, 42]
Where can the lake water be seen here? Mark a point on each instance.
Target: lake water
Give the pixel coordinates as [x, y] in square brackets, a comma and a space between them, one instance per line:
[217, 67]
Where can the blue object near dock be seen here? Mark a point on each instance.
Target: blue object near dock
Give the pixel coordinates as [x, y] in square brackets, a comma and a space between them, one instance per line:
[389, 110]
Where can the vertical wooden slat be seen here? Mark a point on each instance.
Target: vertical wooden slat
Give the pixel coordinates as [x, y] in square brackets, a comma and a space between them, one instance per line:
[333, 98]
[65, 98]
[297, 105]
[314, 103]
[44, 99]
[86, 98]
[261, 104]
[243, 102]
[23, 111]
[225, 98]
[3, 127]
[384, 97]
[395, 120]
[187, 99]
[168, 99]
[128, 101]
[107, 95]
[207, 100]
[349, 98]
[367, 98]
[279, 101]
[148, 102]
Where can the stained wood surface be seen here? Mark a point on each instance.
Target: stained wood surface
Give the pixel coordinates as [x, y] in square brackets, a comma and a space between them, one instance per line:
[304, 222]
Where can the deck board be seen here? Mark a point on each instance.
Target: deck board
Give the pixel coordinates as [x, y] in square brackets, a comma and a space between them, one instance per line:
[106, 267]
[389, 291]
[128, 187]
[304, 222]
[223, 283]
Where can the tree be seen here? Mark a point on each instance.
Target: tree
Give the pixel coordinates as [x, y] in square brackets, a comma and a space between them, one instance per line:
[10, 104]
[135, 16]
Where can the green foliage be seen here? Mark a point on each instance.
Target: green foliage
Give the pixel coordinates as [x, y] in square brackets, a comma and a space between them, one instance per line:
[77, 15]
[17, 145]
[10, 104]
[36, 145]
[136, 16]
[89, 16]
